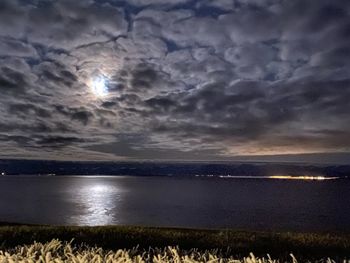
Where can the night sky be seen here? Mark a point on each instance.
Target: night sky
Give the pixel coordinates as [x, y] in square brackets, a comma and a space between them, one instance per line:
[175, 79]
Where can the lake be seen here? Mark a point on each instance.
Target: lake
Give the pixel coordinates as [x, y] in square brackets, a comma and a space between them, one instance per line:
[208, 202]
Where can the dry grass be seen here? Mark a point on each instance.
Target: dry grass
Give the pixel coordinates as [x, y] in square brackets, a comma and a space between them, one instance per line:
[57, 252]
[149, 242]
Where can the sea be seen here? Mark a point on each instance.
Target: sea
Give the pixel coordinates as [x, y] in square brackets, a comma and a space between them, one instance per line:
[262, 203]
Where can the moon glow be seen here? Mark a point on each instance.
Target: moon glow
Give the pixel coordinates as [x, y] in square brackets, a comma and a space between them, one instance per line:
[99, 86]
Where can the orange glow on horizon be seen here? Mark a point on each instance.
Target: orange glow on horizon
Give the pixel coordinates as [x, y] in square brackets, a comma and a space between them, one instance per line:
[289, 177]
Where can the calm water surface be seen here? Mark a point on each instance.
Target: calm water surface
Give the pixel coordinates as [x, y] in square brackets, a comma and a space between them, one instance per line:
[260, 204]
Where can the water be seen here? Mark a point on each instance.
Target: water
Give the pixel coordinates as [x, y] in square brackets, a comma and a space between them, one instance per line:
[254, 204]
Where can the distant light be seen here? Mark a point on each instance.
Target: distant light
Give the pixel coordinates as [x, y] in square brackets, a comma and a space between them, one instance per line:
[289, 177]
[99, 86]
[3, 173]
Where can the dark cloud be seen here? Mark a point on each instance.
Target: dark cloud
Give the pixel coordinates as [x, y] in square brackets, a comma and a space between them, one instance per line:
[16, 48]
[82, 116]
[25, 110]
[78, 114]
[58, 141]
[161, 104]
[13, 81]
[128, 146]
[143, 78]
[186, 79]
[109, 104]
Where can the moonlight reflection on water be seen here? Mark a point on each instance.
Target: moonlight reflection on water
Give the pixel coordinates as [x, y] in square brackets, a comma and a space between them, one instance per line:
[255, 204]
[99, 202]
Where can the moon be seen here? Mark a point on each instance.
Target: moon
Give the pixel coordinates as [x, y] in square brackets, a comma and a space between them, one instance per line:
[99, 86]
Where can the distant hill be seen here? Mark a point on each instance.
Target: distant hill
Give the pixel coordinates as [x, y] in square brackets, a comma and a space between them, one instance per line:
[34, 167]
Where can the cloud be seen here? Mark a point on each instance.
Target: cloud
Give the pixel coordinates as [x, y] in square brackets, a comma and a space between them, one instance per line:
[147, 3]
[62, 24]
[58, 141]
[186, 79]
[15, 48]
[14, 82]
[79, 114]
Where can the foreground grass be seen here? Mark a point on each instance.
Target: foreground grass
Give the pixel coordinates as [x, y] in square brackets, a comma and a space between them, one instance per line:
[222, 243]
[57, 252]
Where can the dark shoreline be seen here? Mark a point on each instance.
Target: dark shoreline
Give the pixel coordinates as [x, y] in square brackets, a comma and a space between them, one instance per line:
[229, 242]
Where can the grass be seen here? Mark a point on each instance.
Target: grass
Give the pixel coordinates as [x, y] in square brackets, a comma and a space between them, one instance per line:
[224, 243]
[58, 252]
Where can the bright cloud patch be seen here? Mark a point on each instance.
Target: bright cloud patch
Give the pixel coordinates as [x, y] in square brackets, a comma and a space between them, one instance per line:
[177, 79]
[99, 86]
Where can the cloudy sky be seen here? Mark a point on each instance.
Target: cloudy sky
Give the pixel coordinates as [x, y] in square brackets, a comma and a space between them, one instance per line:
[174, 79]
